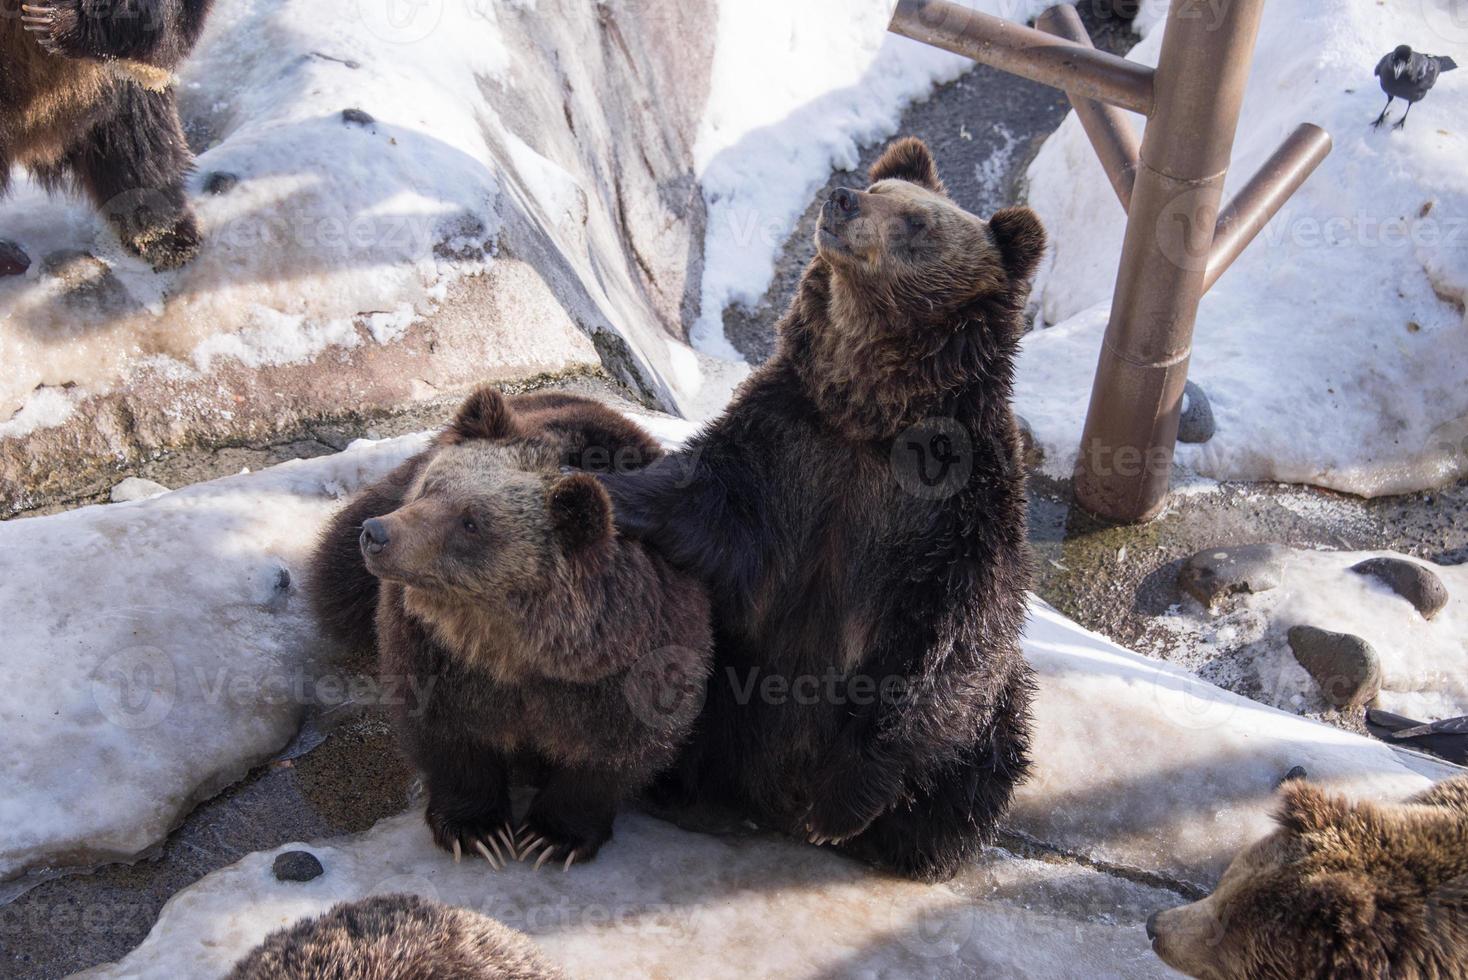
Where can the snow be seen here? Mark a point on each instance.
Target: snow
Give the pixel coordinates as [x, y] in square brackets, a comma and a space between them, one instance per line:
[154, 651]
[798, 88]
[1334, 351]
[1244, 645]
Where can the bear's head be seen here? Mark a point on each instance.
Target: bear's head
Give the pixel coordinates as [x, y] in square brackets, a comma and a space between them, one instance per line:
[488, 518]
[906, 238]
[1353, 891]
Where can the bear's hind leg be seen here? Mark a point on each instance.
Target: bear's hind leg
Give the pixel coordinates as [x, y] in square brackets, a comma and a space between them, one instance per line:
[469, 803]
[933, 833]
[572, 816]
[133, 165]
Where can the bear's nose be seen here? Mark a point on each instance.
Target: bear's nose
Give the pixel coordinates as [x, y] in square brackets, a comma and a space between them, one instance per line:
[1152, 926]
[846, 202]
[374, 536]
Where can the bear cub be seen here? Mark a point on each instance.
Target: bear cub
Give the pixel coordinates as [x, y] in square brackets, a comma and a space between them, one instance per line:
[1351, 891]
[400, 936]
[548, 646]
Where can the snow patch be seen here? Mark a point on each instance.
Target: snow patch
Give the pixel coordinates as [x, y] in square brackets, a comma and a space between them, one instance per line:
[1334, 351]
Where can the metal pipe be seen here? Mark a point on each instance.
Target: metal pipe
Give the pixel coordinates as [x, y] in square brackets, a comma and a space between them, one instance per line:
[1026, 52]
[1111, 134]
[1261, 198]
[1125, 460]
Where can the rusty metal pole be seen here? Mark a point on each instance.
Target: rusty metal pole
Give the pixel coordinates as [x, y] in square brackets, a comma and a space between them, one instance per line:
[1126, 450]
[1026, 52]
[1111, 133]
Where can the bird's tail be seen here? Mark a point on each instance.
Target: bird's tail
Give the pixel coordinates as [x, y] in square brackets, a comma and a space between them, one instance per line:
[1444, 63]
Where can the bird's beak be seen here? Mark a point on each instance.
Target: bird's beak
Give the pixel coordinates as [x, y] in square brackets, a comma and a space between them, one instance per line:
[1397, 69]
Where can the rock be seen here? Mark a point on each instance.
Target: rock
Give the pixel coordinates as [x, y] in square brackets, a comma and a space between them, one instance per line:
[135, 488]
[89, 284]
[1214, 573]
[13, 260]
[1345, 666]
[221, 182]
[297, 866]
[1196, 423]
[1416, 583]
[357, 117]
[1031, 450]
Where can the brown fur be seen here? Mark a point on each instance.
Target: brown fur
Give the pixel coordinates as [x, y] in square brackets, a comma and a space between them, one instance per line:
[1357, 891]
[545, 641]
[396, 937]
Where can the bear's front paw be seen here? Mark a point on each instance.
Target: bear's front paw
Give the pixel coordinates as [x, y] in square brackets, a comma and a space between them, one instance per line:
[547, 837]
[168, 247]
[491, 837]
[55, 25]
[830, 821]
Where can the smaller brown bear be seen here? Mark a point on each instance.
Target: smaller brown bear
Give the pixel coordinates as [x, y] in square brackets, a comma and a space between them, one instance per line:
[403, 937]
[545, 642]
[1347, 891]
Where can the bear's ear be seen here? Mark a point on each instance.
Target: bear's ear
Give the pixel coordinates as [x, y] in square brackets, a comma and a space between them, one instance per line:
[1020, 238]
[908, 159]
[1306, 810]
[580, 511]
[484, 415]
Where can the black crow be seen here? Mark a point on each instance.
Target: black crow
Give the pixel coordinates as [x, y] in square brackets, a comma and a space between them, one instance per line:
[1447, 739]
[1408, 74]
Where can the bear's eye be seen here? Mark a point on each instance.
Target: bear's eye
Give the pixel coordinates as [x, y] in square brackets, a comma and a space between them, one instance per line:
[471, 525]
[917, 224]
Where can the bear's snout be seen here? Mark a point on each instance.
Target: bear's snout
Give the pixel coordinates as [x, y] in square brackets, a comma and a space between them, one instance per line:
[374, 536]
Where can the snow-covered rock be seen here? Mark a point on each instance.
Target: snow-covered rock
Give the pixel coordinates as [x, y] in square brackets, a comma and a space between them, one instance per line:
[1245, 645]
[1334, 350]
[154, 651]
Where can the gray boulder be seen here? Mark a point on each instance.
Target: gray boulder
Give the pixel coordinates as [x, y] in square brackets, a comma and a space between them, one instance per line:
[1345, 666]
[1416, 583]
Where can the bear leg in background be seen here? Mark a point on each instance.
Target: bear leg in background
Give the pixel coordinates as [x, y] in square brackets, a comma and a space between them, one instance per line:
[468, 794]
[955, 813]
[154, 32]
[573, 814]
[133, 165]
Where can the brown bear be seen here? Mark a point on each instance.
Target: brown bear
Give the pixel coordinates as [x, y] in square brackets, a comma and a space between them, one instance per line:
[1359, 891]
[545, 642]
[86, 101]
[396, 937]
[859, 513]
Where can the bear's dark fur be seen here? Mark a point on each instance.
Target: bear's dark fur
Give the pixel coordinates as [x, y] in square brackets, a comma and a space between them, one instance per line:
[859, 514]
[542, 640]
[396, 937]
[86, 102]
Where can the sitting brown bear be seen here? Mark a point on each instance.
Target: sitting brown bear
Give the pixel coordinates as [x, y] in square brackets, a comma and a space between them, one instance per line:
[399, 936]
[1348, 891]
[543, 640]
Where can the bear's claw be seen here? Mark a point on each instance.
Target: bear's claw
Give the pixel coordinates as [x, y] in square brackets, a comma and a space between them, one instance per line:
[40, 21]
[508, 838]
[497, 865]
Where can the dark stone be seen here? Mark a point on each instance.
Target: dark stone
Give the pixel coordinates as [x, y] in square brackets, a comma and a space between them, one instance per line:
[297, 866]
[89, 283]
[1296, 772]
[1214, 573]
[1030, 449]
[1196, 423]
[1416, 583]
[13, 260]
[221, 182]
[357, 117]
[282, 579]
[1345, 666]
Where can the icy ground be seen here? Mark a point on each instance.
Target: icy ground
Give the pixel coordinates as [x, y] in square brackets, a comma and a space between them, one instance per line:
[154, 651]
[1243, 645]
[1334, 350]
